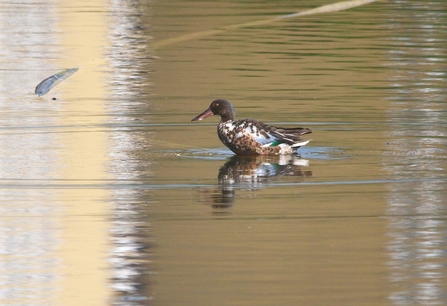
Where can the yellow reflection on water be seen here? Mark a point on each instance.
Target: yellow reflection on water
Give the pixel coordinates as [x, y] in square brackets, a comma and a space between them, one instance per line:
[84, 155]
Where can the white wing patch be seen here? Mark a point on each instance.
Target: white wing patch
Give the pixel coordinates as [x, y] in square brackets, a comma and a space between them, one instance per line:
[252, 129]
[253, 132]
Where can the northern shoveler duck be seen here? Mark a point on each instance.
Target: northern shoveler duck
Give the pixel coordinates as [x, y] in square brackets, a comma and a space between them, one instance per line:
[251, 137]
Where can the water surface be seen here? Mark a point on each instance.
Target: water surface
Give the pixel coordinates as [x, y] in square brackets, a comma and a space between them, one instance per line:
[111, 196]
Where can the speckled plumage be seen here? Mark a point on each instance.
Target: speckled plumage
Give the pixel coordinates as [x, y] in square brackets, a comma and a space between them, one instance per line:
[251, 137]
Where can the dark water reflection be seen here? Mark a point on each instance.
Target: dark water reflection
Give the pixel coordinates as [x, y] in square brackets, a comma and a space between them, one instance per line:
[379, 99]
[252, 173]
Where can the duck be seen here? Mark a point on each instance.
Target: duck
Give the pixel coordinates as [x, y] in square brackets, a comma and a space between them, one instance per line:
[251, 137]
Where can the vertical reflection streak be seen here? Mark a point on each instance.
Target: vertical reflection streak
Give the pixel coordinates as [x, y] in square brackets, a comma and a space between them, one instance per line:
[130, 62]
[418, 236]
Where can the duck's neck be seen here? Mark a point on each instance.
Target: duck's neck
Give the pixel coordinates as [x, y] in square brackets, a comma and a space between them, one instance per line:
[226, 119]
[227, 115]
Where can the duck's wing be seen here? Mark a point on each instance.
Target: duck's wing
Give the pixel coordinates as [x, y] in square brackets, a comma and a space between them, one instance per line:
[254, 130]
[289, 135]
[266, 135]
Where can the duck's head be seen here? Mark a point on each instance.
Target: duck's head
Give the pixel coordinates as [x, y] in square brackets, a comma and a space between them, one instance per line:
[220, 107]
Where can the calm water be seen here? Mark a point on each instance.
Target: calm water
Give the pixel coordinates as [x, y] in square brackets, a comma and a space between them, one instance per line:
[109, 195]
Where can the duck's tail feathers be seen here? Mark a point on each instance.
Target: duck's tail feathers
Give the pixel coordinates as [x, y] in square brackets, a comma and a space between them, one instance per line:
[289, 135]
[300, 144]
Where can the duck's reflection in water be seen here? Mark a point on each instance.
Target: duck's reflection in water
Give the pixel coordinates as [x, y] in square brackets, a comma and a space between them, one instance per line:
[254, 172]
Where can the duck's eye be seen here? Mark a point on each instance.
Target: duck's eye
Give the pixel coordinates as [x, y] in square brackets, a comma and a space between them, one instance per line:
[217, 104]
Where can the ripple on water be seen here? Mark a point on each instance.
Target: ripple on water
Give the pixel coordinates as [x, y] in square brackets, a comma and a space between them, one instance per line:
[222, 153]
